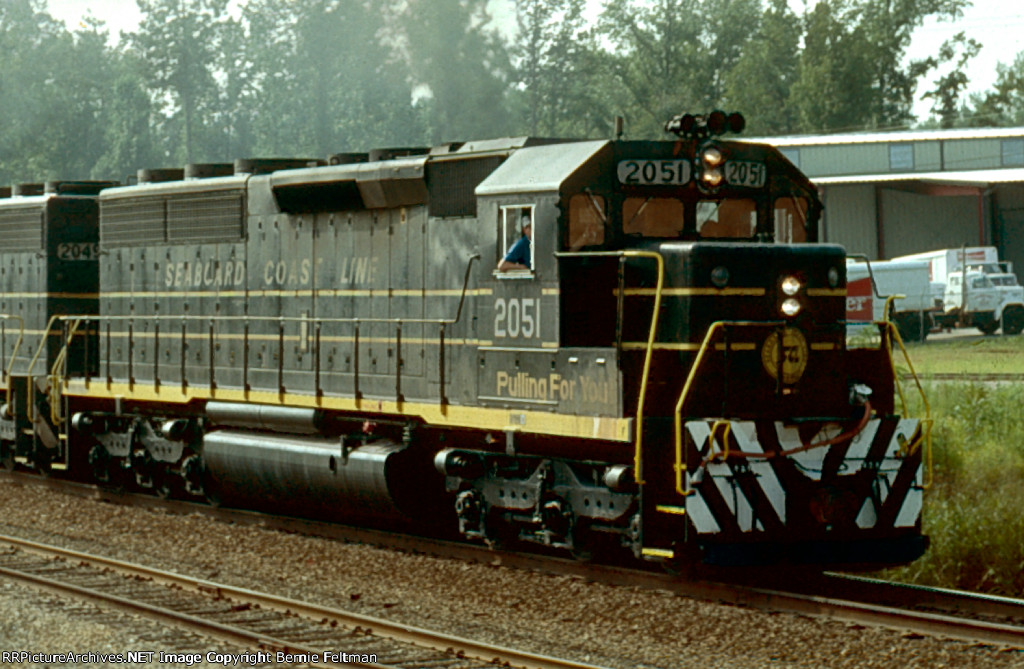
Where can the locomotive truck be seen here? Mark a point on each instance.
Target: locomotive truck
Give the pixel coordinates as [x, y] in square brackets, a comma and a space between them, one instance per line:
[667, 374]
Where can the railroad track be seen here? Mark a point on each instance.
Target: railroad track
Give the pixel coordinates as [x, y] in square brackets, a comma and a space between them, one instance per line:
[968, 377]
[908, 608]
[276, 630]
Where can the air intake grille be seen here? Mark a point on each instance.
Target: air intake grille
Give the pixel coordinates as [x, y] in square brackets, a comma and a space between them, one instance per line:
[215, 216]
[179, 217]
[452, 183]
[21, 229]
[132, 221]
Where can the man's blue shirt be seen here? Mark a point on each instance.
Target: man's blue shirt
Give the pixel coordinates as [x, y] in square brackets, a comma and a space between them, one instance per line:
[520, 252]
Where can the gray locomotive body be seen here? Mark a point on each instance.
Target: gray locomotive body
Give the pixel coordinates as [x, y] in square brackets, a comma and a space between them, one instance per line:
[665, 368]
[49, 244]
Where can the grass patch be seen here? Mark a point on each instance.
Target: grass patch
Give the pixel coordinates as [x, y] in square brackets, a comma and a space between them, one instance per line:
[969, 355]
[973, 511]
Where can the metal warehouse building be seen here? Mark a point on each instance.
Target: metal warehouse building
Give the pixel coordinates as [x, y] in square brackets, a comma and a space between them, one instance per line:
[890, 194]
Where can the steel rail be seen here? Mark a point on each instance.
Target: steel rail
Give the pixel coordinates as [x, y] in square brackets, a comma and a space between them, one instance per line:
[828, 595]
[399, 632]
[220, 631]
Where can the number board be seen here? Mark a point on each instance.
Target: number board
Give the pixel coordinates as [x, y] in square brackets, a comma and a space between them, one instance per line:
[654, 172]
[78, 251]
[745, 173]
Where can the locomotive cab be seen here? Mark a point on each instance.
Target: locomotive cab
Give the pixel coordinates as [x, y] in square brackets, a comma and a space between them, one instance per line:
[677, 298]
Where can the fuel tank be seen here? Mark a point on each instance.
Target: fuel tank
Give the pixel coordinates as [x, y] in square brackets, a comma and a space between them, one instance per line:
[304, 475]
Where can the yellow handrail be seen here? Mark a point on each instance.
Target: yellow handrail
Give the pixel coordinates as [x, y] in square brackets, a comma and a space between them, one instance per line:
[14, 353]
[55, 383]
[927, 422]
[704, 346]
[638, 452]
[30, 412]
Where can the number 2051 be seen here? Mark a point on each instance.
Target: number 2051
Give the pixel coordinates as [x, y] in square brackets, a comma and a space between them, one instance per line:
[517, 317]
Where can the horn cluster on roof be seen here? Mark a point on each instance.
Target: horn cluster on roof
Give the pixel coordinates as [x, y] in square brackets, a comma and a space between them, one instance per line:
[699, 126]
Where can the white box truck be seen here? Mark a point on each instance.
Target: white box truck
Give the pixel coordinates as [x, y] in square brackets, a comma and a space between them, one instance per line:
[980, 291]
[869, 284]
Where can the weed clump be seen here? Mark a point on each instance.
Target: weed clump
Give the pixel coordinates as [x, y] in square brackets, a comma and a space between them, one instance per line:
[973, 510]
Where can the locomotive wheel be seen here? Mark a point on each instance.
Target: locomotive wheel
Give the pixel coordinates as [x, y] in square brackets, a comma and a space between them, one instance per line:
[41, 462]
[166, 484]
[7, 455]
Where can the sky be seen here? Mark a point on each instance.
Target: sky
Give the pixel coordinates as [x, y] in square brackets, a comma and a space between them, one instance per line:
[997, 24]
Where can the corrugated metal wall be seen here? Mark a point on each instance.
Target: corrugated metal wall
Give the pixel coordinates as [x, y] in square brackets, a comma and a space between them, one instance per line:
[1008, 220]
[910, 222]
[850, 218]
[913, 223]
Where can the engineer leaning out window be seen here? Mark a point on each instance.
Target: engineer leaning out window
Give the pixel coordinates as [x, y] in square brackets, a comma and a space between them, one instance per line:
[518, 253]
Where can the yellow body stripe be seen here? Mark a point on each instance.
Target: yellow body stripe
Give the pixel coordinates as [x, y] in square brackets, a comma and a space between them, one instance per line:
[483, 418]
[826, 292]
[694, 292]
[62, 296]
[684, 346]
[173, 333]
[320, 293]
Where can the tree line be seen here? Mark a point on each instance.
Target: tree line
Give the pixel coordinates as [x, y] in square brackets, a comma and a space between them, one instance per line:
[198, 83]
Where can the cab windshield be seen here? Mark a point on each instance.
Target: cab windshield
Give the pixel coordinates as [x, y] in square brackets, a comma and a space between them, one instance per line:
[652, 217]
[730, 219]
[668, 218]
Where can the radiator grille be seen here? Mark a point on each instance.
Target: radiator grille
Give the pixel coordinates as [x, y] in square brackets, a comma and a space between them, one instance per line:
[21, 229]
[183, 217]
[132, 221]
[451, 184]
[215, 216]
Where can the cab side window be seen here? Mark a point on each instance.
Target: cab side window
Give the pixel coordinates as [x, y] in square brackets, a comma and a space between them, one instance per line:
[515, 239]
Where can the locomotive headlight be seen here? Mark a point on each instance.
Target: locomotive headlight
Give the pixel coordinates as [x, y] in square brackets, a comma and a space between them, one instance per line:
[711, 164]
[791, 307]
[711, 156]
[711, 177]
[791, 285]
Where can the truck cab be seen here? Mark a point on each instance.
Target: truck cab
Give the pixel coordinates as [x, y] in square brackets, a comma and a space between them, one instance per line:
[973, 297]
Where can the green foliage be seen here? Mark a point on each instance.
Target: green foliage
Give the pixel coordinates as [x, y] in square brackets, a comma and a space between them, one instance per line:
[318, 79]
[672, 55]
[972, 513]
[834, 74]
[459, 66]
[1004, 104]
[555, 62]
[760, 82]
[212, 80]
[950, 88]
[179, 42]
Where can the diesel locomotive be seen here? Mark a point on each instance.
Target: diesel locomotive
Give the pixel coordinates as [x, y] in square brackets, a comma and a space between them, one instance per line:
[665, 370]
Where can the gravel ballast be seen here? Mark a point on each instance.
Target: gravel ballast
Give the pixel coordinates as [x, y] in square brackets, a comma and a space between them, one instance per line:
[540, 613]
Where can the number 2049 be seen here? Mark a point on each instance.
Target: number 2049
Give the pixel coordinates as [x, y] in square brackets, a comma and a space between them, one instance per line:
[517, 317]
